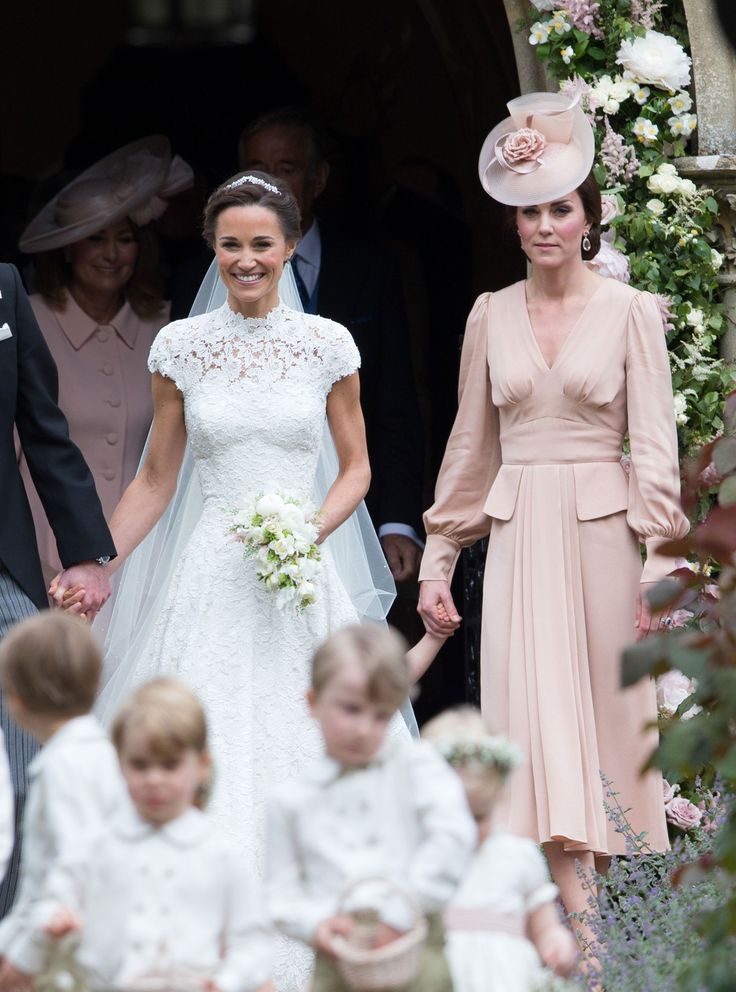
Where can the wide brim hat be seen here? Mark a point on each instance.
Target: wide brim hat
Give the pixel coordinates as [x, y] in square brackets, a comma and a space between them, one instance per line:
[135, 182]
[542, 152]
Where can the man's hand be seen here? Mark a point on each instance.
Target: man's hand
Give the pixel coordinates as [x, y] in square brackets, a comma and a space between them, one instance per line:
[93, 581]
[14, 980]
[403, 556]
[334, 926]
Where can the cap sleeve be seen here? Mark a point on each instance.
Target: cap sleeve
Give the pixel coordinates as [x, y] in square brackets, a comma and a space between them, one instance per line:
[340, 355]
[538, 886]
[472, 457]
[168, 356]
[654, 510]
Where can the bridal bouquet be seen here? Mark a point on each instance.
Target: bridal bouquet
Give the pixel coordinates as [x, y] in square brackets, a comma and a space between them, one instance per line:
[280, 533]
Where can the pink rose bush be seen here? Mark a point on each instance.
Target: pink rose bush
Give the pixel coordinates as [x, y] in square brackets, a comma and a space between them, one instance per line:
[673, 687]
[610, 262]
[682, 813]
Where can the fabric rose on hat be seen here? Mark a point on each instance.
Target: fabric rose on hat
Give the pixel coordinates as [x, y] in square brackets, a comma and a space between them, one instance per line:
[522, 148]
[682, 813]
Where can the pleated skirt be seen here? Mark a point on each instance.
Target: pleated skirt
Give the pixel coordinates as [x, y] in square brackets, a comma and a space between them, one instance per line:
[559, 607]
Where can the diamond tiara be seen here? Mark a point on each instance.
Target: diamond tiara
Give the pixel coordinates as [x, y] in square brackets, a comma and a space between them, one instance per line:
[256, 181]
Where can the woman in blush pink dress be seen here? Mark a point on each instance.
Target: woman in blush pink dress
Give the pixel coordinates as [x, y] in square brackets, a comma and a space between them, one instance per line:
[556, 370]
[99, 305]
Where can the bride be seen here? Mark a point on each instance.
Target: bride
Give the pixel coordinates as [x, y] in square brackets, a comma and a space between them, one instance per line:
[246, 388]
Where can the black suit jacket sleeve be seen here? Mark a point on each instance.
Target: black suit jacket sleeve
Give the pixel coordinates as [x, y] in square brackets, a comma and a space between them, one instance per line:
[360, 287]
[61, 476]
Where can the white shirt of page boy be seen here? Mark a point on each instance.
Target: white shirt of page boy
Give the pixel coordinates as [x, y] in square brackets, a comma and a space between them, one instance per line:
[75, 786]
[403, 816]
[164, 899]
[7, 810]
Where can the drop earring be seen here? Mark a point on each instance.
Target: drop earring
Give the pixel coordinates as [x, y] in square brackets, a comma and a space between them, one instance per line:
[586, 242]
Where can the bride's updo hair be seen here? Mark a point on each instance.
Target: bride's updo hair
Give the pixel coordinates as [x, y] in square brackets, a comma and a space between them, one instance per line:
[253, 189]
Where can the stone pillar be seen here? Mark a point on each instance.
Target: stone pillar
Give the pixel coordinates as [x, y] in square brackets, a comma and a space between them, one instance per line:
[714, 75]
[532, 75]
[719, 172]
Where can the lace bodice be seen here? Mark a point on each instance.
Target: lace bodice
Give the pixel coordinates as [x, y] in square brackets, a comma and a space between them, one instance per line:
[255, 392]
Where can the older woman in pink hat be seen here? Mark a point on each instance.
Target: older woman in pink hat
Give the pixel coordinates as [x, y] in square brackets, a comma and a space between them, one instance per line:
[556, 370]
[99, 305]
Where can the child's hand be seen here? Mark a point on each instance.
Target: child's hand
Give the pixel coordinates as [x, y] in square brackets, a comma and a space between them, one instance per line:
[14, 980]
[442, 615]
[335, 926]
[558, 949]
[63, 922]
[384, 935]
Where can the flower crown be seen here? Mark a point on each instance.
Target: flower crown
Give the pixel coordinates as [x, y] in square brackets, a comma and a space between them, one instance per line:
[493, 752]
[255, 181]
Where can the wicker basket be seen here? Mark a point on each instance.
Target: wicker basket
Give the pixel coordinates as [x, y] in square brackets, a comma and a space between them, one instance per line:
[384, 968]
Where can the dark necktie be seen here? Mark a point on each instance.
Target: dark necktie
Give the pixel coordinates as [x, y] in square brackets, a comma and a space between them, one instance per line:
[300, 284]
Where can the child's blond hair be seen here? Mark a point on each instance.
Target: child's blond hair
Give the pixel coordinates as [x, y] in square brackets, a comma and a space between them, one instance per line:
[379, 651]
[52, 663]
[167, 714]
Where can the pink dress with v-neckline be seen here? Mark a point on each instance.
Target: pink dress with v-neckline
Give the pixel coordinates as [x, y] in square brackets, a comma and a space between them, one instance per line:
[534, 461]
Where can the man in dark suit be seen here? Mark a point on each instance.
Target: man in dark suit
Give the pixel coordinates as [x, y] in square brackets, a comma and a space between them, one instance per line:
[356, 283]
[28, 402]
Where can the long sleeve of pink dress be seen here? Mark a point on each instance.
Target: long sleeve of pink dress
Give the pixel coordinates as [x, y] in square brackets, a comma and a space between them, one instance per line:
[534, 461]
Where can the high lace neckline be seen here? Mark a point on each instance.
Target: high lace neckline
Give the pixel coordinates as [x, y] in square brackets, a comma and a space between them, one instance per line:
[237, 321]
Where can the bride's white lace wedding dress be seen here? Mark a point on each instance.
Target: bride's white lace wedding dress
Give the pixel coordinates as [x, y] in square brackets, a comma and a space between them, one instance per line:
[255, 394]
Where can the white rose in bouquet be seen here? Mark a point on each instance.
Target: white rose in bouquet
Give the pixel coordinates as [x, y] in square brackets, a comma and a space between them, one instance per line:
[269, 504]
[280, 533]
[656, 59]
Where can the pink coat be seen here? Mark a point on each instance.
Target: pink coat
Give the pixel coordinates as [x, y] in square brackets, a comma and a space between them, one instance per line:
[105, 393]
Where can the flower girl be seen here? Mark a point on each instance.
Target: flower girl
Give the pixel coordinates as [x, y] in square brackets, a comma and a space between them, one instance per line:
[503, 918]
[373, 805]
[160, 900]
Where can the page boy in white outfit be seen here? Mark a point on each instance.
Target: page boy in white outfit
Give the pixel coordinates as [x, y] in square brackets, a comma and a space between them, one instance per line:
[160, 898]
[373, 805]
[50, 668]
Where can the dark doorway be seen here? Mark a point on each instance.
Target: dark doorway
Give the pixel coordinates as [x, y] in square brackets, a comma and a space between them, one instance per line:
[407, 90]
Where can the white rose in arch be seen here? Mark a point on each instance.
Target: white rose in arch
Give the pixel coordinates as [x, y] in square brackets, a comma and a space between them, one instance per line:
[656, 59]
[665, 184]
[680, 405]
[655, 207]
[544, 5]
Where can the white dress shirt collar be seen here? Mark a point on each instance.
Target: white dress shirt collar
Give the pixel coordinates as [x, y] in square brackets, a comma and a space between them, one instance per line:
[79, 730]
[309, 257]
[326, 769]
[185, 831]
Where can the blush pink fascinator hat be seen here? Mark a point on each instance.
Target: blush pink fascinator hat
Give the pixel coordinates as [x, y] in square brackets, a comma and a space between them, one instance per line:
[542, 152]
[135, 181]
